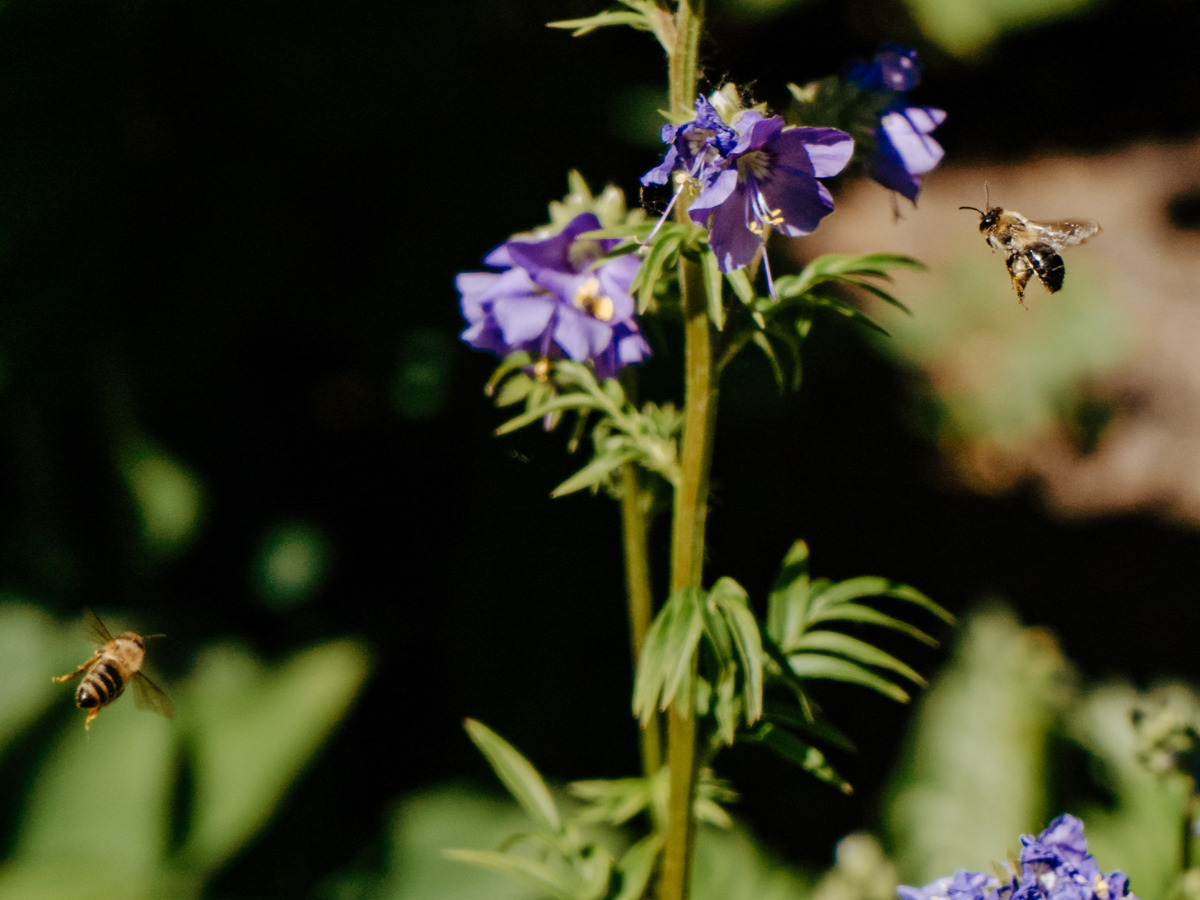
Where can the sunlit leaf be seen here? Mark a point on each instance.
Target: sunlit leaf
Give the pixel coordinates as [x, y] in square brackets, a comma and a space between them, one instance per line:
[539, 875]
[517, 774]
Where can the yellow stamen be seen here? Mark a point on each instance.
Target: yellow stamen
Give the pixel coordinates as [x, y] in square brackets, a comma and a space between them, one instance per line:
[591, 301]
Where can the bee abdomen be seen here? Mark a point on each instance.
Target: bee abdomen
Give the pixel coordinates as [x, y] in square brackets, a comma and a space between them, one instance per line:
[102, 685]
[1048, 265]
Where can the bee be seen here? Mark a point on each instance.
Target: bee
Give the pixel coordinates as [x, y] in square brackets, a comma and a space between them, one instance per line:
[107, 671]
[1031, 248]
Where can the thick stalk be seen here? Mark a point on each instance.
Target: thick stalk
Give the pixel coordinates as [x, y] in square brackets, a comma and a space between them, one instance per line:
[687, 562]
[690, 509]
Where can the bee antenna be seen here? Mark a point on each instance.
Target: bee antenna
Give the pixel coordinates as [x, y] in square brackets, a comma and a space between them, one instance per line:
[973, 209]
[148, 636]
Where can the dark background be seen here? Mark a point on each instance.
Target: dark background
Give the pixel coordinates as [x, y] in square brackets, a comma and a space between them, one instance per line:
[235, 229]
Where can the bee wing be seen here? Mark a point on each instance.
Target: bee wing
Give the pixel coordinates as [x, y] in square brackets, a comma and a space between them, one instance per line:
[148, 695]
[96, 628]
[1066, 233]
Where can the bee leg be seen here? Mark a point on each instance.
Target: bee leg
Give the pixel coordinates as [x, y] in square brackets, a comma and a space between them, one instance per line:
[78, 671]
[92, 713]
[1020, 268]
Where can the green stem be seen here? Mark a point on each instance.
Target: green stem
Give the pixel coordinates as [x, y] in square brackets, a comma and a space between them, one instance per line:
[634, 516]
[687, 562]
[690, 509]
[1189, 818]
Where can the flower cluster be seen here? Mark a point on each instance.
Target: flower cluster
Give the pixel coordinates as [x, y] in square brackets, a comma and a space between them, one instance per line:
[557, 297]
[904, 149]
[750, 174]
[1055, 865]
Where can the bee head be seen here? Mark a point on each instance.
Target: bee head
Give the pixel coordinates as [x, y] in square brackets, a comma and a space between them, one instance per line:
[987, 219]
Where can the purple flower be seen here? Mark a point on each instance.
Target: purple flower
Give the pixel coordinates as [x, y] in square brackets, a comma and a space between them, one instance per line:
[770, 181]
[752, 175]
[702, 143]
[963, 885]
[1055, 865]
[894, 68]
[1058, 863]
[554, 300]
[904, 149]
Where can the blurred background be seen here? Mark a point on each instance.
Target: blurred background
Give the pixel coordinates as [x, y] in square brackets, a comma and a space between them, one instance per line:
[234, 409]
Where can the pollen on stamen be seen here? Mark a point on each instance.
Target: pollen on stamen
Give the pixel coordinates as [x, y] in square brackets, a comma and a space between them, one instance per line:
[591, 301]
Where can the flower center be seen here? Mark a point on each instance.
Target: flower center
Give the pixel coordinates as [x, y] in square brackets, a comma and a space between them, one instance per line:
[591, 301]
[582, 254]
[696, 138]
[755, 164]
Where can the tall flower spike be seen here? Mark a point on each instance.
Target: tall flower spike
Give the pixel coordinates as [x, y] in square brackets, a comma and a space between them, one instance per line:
[555, 300]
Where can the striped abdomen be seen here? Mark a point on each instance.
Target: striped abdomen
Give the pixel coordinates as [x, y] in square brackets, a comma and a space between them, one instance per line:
[102, 684]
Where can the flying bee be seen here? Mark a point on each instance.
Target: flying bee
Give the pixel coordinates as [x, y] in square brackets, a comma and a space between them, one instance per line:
[1031, 247]
[107, 671]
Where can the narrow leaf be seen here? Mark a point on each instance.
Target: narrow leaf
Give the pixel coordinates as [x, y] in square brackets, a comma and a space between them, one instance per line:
[740, 282]
[534, 873]
[636, 867]
[712, 289]
[831, 668]
[747, 640]
[594, 472]
[853, 649]
[517, 774]
[682, 640]
[803, 754]
[866, 615]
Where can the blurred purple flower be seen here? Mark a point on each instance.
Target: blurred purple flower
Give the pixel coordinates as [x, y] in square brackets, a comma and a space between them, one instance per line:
[553, 302]
[963, 885]
[894, 68]
[904, 149]
[1055, 865]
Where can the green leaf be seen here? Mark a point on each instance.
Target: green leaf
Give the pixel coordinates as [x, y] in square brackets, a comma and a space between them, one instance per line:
[613, 800]
[517, 774]
[866, 615]
[740, 282]
[787, 604]
[660, 252]
[534, 873]
[845, 309]
[816, 727]
[713, 283]
[636, 867]
[251, 739]
[594, 473]
[855, 650]
[666, 661]
[802, 753]
[831, 668]
[730, 598]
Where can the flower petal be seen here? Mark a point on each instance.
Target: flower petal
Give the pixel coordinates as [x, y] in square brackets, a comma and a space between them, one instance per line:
[522, 320]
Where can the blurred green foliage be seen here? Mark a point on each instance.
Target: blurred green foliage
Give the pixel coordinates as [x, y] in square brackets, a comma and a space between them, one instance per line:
[1005, 739]
[143, 807]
